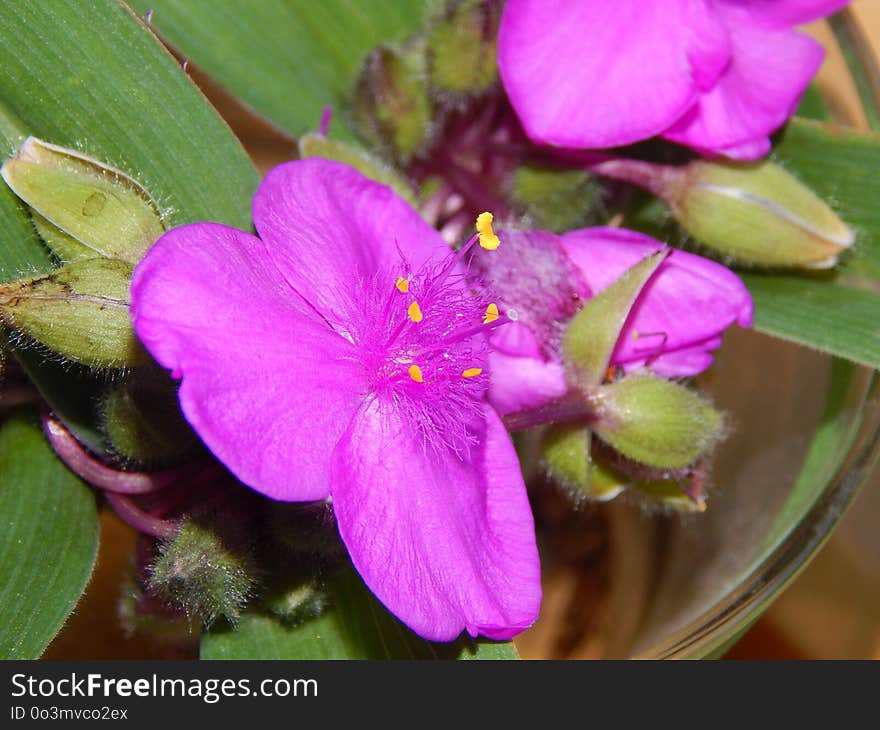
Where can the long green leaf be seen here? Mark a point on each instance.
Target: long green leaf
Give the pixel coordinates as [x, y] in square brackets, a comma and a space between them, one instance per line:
[824, 315]
[48, 539]
[287, 59]
[355, 627]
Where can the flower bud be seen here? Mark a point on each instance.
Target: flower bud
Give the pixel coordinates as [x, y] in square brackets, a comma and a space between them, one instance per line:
[461, 46]
[655, 422]
[98, 206]
[200, 573]
[317, 145]
[758, 214]
[566, 454]
[80, 311]
[391, 106]
[296, 603]
[554, 199]
[142, 422]
[592, 334]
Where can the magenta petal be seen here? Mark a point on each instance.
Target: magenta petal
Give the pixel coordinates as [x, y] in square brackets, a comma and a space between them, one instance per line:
[786, 13]
[758, 92]
[595, 73]
[521, 383]
[686, 305]
[327, 227]
[446, 543]
[256, 361]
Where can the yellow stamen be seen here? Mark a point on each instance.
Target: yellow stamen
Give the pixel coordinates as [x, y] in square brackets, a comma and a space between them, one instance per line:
[491, 313]
[471, 372]
[635, 334]
[414, 311]
[488, 239]
[415, 372]
[402, 285]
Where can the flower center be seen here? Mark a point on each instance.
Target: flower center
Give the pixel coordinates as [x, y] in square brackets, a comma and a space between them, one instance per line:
[425, 344]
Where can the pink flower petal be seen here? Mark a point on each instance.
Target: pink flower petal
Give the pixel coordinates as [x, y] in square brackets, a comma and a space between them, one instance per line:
[520, 383]
[255, 359]
[599, 74]
[786, 13]
[758, 92]
[327, 227]
[689, 300]
[446, 543]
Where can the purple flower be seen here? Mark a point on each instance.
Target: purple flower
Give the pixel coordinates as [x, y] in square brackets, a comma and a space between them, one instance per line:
[342, 355]
[672, 329]
[716, 75]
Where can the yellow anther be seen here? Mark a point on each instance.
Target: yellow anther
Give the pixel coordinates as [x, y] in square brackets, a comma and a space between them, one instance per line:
[488, 239]
[415, 372]
[471, 372]
[402, 284]
[491, 313]
[414, 311]
[635, 334]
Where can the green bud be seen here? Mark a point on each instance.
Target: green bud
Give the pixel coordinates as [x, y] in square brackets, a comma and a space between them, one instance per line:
[668, 493]
[317, 145]
[566, 452]
[655, 422]
[391, 105]
[758, 214]
[63, 245]
[80, 311]
[142, 422]
[592, 334]
[555, 199]
[198, 572]
[297, 603]
[102, 208]
[461, 46]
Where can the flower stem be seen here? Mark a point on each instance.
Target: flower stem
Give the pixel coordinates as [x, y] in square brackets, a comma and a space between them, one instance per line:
[87, 467]
[564, 409]
[133, 515]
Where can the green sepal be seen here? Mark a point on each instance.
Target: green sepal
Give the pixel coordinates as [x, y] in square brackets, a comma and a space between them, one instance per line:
[592, 334]
[80, 311]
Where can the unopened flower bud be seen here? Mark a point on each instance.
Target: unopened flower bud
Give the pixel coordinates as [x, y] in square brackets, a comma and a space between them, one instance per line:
[655, 422]
[318, 145]
[592, 334]
[100, 207]
[461, 46]
[391, 105]
[200, 573]
[296, 603]
[555, 199]
[758, 214]
[80, 311]
[142, 422]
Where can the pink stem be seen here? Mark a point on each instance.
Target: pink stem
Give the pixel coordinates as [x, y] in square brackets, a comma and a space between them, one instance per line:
[133, 515]
[97, 474]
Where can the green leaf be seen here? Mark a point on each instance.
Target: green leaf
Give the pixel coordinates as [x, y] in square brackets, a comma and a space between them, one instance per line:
[356, 626]
[287, 59]
[48, 539]
[825, 315]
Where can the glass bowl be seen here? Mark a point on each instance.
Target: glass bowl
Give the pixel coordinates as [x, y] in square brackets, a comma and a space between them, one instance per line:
[805, 434]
